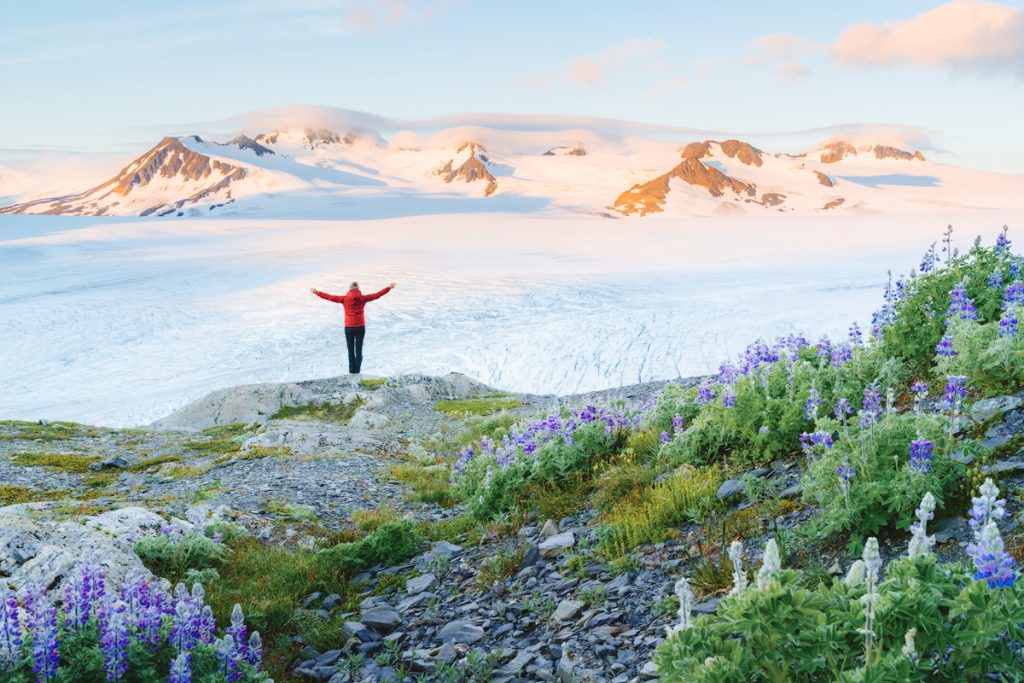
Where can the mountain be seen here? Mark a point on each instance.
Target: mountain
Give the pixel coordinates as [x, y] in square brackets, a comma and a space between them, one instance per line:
[342, 167]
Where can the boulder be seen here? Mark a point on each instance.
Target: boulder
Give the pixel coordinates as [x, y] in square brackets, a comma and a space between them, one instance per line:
[133, 521]
[568, 609]
[245, 404]
[364, 419]
[987, 408]
[381, 618]
[418, 584]
[461, 631]
[731, 489]
[557, 544]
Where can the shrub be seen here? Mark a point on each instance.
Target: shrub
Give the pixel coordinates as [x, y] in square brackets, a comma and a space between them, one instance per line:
[172, 555]
[390, 543]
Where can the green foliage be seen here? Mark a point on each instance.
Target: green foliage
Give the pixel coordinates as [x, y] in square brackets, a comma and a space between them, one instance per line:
[16, 495]
[993, 365]
[885, 490]
[338, 413]
[788, 632]
[372, 384]
[221, 439]
[476, 406]
[388, 544]
[172, 557]
[150, 463]
[500, 565]
[73, 463]
[18, 430]
[429, 483]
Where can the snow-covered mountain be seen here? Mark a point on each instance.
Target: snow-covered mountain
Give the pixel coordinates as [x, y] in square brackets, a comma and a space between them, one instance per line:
[340, 172]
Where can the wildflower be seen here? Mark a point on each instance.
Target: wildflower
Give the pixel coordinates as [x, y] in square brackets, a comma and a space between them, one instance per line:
[872, 409]
[739, 577]
[956, 391]
[921, 455]
[855, 575]
[10, 629]
[823, 348]
[855, 335]
[728, 397]
[705, 394]
[42, 623]
[945, 346]
[811, 407]
[1002, 248]
[842, 409]
[226, 662]
[115, 642]
[840, 354]
[987, 507]
[920, 390]
[929, 260]
[678, 424]
[685, 596]
[1009, 323]
[960, 305]
[665, 437]
[991, 561]
[1014, 294]
[83, 592]
[845, 473]
[255, 650]
[995, 279]
[771, 565]
[821, 439]
[181, 669]
[909, 649]
[872, 567]
[239, 633]
[920, 542]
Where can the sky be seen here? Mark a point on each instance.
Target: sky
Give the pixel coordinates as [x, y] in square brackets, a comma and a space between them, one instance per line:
[112, 77]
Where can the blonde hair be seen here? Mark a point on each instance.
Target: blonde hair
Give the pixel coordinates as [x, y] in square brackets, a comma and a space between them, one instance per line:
[354, 285]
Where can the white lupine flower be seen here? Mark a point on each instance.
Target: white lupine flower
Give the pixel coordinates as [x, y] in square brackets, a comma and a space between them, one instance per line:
[855, 575]
[921, 543]
[909, 648]
[685, 596]
[872, 565]
[739, 576]
[771, 564]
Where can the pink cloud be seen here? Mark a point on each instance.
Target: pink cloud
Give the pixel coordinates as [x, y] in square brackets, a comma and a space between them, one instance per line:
[592, 69]
[962, 34]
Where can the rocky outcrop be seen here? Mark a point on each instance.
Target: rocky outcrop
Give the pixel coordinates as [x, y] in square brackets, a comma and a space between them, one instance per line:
[887, 152]
[246, 142]
[649, 197]
[833, 203]
[840, 149]
[170, 159]
[245, 404]
[310, 138]
[737, 149]
[837, 151]
[472, 169]
[824, 179]
[576, 150]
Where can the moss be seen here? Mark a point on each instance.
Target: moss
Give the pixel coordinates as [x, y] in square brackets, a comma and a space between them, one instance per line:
[57, 462]
[222, 439]
[150, 463]
[48, 431]
[476, 406]
[372, 384]
[101, 479]
[293, 511]
[17, 495]
[338, 413]
[254, 453]
[454, 529]
[187, 471]
[429, 483]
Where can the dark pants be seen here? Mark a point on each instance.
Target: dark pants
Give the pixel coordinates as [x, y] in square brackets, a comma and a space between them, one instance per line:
[354, 339]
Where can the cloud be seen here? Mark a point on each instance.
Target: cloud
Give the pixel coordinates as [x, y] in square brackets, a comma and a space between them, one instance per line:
[594, 69]
[776, 47]
[793, 72]
[964, 35]
[784, 51]
[374, 16]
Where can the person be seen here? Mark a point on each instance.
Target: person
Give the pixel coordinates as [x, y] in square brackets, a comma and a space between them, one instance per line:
[355, 323]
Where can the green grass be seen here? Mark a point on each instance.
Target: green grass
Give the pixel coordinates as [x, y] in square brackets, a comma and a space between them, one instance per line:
[51, 431]
[57, 462]
[473, 429]
[429, 483]
[476, 406]
[150, 463]
[222, 439]
[292, 511]
[17, 495]
[339, 413]
[372, 384]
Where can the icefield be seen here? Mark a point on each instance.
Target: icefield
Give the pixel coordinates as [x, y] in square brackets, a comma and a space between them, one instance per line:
[120, 321]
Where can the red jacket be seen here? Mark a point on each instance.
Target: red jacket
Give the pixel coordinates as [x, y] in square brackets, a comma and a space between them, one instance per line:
[353, 303]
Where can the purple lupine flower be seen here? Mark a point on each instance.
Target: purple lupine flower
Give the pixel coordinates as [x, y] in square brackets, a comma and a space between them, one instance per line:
[805, 442]
[187, 627]
[664, 437]
[1009, 323]
[226, 663]
[726, 373]
[960, 305]
[811, 406]
[42, 623]
[947, 243]
[114, 639]
[823, 349]
[991, 561]
[1014, 294]
[181, 669]
[881, 319]
[1002, 248]
[842, 409]
[728, 397]
[920, 391]
[855, 335]
[921, 455]
[996, 279]
[83, 593]
[987, 507]
[945, 346]
[678, 424]
[956, 391]
[872, 409]
[821, 439]
[705, 394]
[255, 650]
[1015, 267]
[10, 629]
[929, 260]
[238, 631]
[845, 473]
[840, 354]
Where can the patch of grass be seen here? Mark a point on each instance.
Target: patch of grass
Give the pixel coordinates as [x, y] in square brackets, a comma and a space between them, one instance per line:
[338, 413]
[473, 430]
[150, 463]
[476, 406]
[554, 501]
[388, 544]
[689, 494]
[292, 511]
[57, 462]
[393, 582]
[254, 453]
[369, 520]
[222, 439]
[187, 471]
[711, 574]
[500, 566]
[72, 508]
[372, 384]
[17, 495]
[205, 492]
[429, 483]
[172, 559]
[454, 530]
[48, 431]
[99, 480]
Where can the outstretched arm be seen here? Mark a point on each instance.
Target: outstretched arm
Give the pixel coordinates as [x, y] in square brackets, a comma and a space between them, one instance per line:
[330, 297]
[377, 295]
